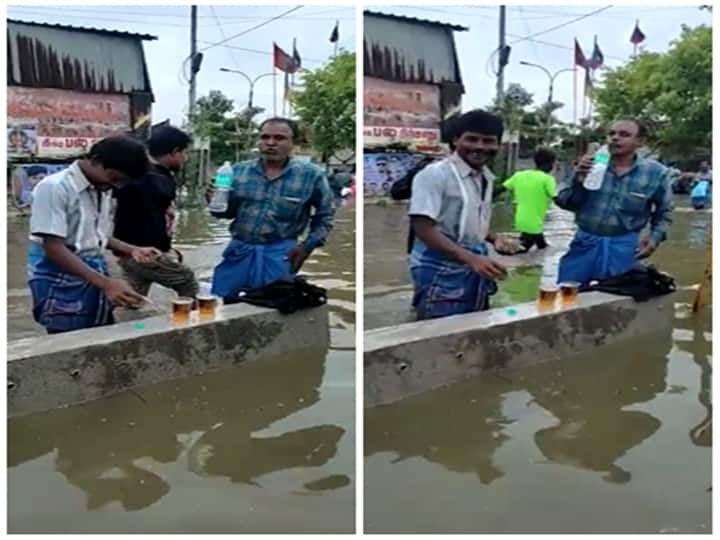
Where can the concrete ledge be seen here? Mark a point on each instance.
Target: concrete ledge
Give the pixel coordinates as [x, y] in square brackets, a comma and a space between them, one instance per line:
[54, 371]
[408, 359]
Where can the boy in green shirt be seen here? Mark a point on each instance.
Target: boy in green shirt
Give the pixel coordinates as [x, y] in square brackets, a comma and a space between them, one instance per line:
[533, 190]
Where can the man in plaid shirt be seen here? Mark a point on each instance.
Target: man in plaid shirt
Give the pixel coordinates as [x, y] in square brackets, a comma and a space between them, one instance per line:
[270, 204]
[634, 191]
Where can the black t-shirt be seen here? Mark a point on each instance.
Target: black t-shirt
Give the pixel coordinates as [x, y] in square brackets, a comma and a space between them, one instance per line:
[141, 207]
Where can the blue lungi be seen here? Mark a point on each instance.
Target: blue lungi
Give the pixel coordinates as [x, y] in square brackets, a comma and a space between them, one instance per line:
[444, 287]
[593, 257]
[249, 266]
[63, 302]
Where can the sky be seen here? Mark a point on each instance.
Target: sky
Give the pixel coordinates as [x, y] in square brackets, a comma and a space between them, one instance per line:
[612, 26]
[311, 26]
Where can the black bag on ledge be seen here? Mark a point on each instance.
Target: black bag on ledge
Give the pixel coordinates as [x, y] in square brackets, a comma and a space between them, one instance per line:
[285, 296]
[642, 283]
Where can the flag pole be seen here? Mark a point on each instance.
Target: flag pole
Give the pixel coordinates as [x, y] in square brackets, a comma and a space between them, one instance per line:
[337, 25]
[584, 98]
[575, 85]
[590, 100]
[284, 101]
[274, 91]
[292, 78]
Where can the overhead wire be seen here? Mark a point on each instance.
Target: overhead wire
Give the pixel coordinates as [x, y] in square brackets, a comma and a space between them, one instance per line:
[253, 28]
[222, 33]
[562, 25]
[63, 10]
[266, 53]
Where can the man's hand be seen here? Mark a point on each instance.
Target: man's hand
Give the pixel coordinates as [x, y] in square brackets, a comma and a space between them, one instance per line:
[505, 245]
[646, 248]
[297, 256]
[584, 167]
[145, 254]
[121, 293]
[487, 267]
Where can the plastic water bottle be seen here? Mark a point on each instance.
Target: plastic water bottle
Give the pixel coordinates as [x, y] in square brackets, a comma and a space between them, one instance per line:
[223, 184]
[593, 181]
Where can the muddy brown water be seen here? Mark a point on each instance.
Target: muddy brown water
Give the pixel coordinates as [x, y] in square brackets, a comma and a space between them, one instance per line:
[614, 441]
[268, 447]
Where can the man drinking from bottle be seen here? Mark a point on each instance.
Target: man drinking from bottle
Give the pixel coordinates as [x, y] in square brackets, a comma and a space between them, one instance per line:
[632, 193]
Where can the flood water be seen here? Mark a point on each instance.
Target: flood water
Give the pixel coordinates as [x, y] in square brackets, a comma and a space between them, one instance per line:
[268, 447]
[614, 441]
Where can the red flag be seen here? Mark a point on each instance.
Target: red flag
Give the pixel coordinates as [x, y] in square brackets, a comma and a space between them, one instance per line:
[637, 35]
[283, 61]
[580, 59]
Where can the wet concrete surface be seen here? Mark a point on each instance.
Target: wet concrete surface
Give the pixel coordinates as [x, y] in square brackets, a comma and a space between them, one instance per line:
[263, 448]
[616, 441]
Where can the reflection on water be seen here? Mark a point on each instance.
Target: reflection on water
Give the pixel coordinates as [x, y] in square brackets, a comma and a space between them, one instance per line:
[268, 447]
[585, 396]
[586, 444]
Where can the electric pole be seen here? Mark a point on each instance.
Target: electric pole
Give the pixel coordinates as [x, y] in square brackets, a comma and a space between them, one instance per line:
[193, 55]
[502, 57]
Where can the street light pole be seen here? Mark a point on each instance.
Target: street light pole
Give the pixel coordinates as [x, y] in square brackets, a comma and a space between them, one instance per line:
[551, 83]
[251, 83]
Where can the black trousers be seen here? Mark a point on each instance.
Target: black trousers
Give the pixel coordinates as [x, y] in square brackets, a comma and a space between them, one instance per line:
[529, 240]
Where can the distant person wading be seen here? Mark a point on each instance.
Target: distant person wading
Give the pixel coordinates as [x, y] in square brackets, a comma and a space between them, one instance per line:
[533, 191]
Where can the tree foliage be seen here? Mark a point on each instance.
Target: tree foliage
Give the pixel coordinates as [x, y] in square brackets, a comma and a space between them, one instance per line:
[670, 91]
[232, 135]
[326, 105]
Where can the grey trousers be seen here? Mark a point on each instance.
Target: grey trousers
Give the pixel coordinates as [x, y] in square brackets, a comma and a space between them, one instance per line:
[166, 270]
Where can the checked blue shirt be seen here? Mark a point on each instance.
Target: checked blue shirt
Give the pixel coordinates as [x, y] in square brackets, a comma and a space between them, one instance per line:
[625, 203]
[265, 211]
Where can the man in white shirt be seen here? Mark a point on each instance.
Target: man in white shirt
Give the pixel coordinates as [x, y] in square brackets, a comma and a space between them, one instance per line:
[71, 227]
[450, 212]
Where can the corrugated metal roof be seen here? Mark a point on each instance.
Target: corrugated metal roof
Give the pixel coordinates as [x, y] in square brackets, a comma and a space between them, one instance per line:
[415, 20]
[73, 58]
[86, 29]
[406, 49]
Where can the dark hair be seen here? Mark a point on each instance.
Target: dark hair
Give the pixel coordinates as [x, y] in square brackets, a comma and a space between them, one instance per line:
[34, 170]
[279, 120]
[448, 130]
[544, 159]
[642, 129]
[121, 153]
[478, 121]
[166, 139]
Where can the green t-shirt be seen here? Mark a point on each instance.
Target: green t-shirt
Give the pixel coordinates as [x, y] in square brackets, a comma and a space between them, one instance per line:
[532, 191]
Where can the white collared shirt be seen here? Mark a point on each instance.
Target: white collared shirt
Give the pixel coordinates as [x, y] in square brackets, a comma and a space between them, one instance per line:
[67, 205]
[460, 207]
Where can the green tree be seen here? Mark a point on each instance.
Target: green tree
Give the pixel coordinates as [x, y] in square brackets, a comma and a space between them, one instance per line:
[670, 91]
[326, 105]
[232, 136]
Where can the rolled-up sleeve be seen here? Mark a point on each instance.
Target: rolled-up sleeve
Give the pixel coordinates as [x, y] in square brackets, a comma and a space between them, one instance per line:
[661, 218]
[571, 195]
[321, 223]
[49, 210]
[427, 194]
